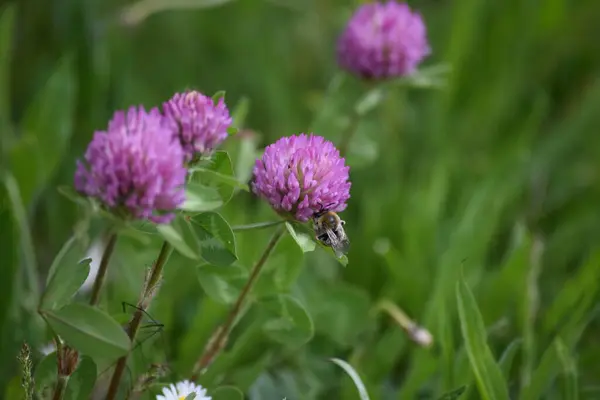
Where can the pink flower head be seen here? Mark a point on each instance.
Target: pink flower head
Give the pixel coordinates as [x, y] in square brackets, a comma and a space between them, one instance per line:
[383, 40]
[135, 166]
[199, 123]
[301, 175]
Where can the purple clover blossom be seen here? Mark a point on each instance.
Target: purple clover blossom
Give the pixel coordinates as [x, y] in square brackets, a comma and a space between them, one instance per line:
[135, 166]
[301, 175]
[383, 40]
[200, 124]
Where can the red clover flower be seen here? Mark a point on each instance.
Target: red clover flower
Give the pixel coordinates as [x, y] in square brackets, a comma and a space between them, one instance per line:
[299, 175]
[199, 123]
[135, 167]
[383, 40]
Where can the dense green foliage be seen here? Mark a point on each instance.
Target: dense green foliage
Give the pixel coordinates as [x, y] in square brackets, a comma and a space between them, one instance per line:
[475, 200]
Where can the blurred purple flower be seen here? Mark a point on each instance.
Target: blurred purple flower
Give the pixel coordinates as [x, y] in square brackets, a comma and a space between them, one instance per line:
[300, 175]
[383, 40]
[134, 167]
[200, 124]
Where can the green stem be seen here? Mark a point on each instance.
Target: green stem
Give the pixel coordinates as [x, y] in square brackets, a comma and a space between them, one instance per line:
[256, 226]
[59, 389]
[134, 324]
[219, 337]
[348, 134]
[99, 282]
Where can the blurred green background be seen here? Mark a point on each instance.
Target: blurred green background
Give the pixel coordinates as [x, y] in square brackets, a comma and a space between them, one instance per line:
[493, 172]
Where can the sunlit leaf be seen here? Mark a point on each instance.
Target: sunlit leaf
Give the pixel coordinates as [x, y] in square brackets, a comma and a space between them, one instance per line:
[89, 330]
[180, 235]
[487, 372]
[303, 240]
[200, 198]
[218, 173]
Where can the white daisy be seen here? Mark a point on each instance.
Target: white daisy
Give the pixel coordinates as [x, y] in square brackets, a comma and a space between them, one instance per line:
[183, 389]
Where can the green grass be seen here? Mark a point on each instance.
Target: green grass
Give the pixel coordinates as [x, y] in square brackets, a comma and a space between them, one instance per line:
[486, 189]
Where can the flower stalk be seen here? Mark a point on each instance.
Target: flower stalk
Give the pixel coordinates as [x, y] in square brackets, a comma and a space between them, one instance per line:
[99, 281]
[148, 293]
[218, 339]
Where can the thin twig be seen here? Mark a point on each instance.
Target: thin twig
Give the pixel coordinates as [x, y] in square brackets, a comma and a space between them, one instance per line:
[219, 338]
[134, 325]
[99, 281]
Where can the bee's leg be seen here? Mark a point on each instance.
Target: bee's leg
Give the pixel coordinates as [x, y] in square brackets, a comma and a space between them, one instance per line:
[342, 222]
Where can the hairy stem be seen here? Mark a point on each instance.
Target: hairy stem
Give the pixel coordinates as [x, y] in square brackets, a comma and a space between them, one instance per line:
[219, 337]
[145, 299]
[59, 389]
[99, 282]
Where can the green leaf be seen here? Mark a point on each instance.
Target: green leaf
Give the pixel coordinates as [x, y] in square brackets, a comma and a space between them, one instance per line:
[487, 373]
[14, 389]
[201, 198]
[281, 268]
[7, 17]
[227, 393]
[306, 243]
[432, 77]
[240, 112]
[340, 311]
[218, 96]
[46, 130]
[309, 233]
[142, 9]
[369, 101]
[46, 372]
[244, 152]
[25, 239]
[64, 250]
[64, 284]
[70, 193]
[89, 330]
[215, 238]
[348, 369]
[181, 236]
[569, 366]
[218, 173]
[222, 284]
[287, 321]
[507, 358]
[255, 226]
[81, 383]
[453, 394]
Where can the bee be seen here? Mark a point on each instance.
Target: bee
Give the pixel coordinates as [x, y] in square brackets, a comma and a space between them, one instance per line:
[329, 230]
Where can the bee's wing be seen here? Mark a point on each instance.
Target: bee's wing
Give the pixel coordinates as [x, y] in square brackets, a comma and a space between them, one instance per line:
[339, 242]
